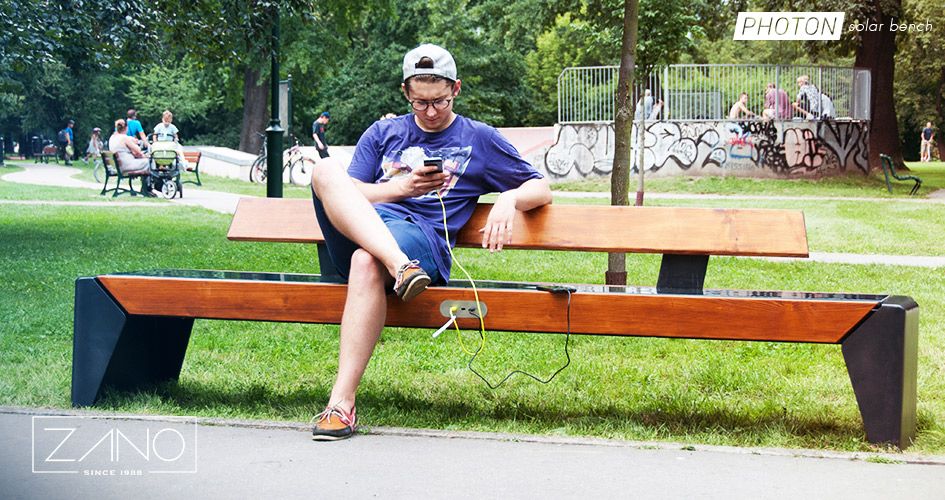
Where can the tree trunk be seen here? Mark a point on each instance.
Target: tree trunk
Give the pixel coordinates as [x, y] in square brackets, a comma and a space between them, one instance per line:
[876, 52]
[623, 127]
[940, 107]
[255, 109]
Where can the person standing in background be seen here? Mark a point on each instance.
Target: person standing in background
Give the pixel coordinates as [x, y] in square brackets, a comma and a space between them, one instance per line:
[318, 133]
[925, 153]
[66, 139]
[135, 129]
[95, 145]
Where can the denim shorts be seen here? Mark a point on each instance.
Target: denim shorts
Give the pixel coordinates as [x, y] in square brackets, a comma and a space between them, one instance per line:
[409, 237]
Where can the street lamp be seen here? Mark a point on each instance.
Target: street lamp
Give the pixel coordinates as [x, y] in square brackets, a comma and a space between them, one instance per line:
[274, 132]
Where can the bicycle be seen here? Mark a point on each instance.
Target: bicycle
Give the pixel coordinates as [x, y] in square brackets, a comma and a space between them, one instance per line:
[257, 172]
[295, 167]
[300, 173]
[98, 168]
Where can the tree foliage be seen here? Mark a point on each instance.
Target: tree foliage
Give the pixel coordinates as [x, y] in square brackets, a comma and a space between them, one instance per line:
[207, 60]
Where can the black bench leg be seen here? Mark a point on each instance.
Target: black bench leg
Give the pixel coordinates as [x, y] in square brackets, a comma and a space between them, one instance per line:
[112, 349]
[881, 356]
[682, 274]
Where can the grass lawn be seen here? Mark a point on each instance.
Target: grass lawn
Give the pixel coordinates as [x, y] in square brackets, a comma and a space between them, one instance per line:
[714, 392]
[872, 186]
[739, 393]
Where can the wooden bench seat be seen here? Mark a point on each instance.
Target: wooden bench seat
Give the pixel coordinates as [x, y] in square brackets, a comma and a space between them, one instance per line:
[132, 329]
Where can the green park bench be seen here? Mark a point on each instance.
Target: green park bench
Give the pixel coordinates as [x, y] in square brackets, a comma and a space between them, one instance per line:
[113, 170]
[889, 169]
[132, 329]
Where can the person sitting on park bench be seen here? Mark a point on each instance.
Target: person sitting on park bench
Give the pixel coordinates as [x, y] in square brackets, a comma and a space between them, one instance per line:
[131, 159]
[406, 167]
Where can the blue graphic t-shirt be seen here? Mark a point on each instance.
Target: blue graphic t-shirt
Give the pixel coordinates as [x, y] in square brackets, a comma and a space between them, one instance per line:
[476, 157]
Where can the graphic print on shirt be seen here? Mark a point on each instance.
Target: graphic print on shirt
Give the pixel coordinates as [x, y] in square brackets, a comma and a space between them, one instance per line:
[455, 161]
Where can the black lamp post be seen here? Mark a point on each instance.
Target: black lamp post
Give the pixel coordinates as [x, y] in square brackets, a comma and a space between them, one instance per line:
[274, 132]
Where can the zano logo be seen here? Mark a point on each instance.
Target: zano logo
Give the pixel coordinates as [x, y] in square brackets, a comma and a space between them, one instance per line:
[102, 447]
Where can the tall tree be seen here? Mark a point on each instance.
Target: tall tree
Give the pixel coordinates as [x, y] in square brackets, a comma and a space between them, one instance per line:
[60, 59]
[876, 52]
[236, 34]
[620, 175]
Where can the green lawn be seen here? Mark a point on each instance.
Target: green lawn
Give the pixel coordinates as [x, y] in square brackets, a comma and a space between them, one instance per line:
[873, 186]
[713, 392]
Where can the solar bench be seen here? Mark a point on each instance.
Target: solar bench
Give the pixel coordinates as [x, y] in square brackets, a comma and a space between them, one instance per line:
[131, 329]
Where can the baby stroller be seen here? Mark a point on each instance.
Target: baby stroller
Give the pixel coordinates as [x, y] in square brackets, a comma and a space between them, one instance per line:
[165, 169]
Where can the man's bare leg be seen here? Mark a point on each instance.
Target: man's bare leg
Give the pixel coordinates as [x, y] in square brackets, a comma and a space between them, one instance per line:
[355, 217]
[361, 325]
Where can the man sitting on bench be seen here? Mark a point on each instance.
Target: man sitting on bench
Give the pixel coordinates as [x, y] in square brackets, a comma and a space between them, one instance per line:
[383, 218]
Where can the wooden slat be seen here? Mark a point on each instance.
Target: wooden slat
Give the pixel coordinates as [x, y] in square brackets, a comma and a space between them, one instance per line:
[686, 316]
[692, 231]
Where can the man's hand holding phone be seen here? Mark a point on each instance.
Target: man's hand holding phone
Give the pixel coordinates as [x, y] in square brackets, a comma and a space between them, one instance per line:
[435, 162]
[429, 177]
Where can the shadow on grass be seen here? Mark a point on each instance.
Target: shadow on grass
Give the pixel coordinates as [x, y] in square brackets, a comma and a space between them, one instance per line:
[684, 419]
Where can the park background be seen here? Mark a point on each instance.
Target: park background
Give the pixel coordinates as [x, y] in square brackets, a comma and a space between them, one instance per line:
[208, 62]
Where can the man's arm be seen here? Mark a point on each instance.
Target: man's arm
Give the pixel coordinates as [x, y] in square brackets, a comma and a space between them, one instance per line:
[419, 182]
[497, 232]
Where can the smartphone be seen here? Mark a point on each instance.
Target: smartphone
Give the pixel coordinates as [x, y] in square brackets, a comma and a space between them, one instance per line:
[434, 162]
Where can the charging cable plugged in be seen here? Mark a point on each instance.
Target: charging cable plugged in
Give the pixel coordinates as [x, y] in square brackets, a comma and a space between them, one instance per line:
[449, 322]
[463, 309]
[477, 310]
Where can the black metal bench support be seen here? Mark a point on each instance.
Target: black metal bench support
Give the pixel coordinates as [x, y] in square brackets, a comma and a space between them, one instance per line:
[682, 274]
[113, 349]
[881, 357]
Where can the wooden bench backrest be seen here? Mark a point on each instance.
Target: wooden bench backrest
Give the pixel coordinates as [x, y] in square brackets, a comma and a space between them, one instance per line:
[662, 230]
[192, 156]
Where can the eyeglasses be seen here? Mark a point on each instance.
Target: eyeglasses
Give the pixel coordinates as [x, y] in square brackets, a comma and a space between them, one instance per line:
[439, 104]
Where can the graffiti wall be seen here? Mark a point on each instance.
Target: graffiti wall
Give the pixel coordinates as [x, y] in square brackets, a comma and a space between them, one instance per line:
[752, 148]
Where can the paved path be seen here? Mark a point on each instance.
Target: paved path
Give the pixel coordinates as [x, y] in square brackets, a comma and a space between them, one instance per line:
[53, 175]
[278, 460]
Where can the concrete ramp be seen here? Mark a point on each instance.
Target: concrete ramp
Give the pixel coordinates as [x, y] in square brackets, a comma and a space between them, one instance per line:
[234, 164]
[223, 162]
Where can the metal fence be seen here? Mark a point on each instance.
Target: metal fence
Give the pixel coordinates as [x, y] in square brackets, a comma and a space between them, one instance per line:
[708, 92]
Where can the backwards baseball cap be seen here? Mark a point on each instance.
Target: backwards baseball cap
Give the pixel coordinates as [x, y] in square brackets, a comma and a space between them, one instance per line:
[443, 64]
[326, 114]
